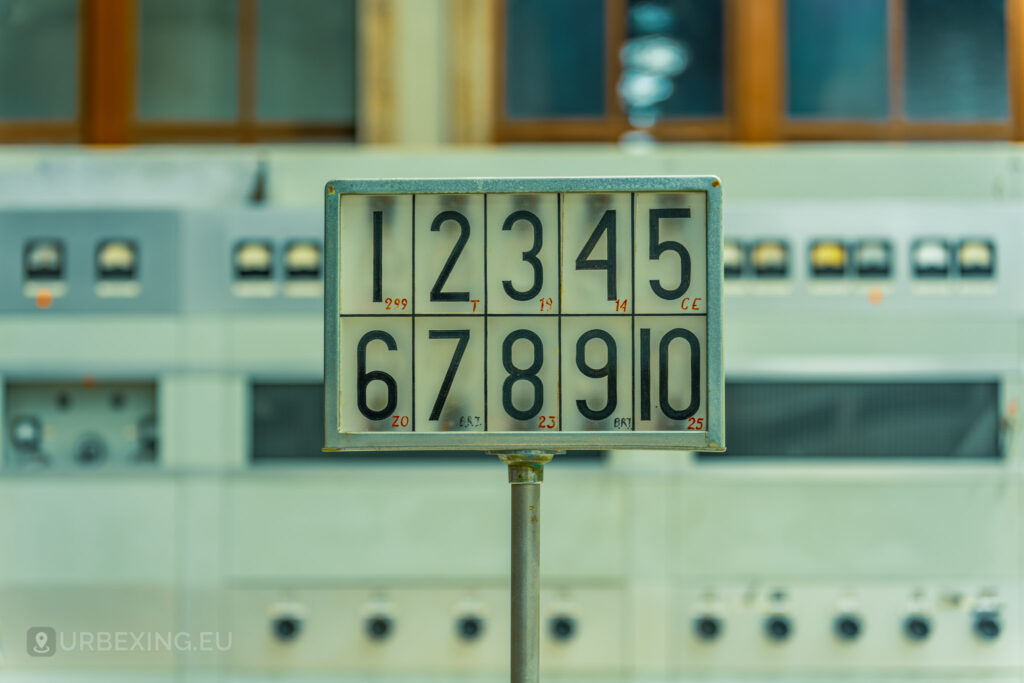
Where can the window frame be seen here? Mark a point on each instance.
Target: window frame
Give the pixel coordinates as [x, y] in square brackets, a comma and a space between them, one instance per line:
[755, 86]
[107, 106]
[897, 126]
[614, 123]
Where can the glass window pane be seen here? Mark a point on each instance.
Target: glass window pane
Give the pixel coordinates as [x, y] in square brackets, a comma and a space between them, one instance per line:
[956, 60]
[38, 59]
[306, 61]
[188, 60]
[837, 59]
[554, 58]
[695, 28]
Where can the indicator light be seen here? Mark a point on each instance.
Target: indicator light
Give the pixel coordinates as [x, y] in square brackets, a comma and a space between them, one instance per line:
[116, 260]
[253, 260]
[828, 258]
[977, 258]
[873, 258]
[930, 258]
[732, 258]
[302, 260]
[770, 258]
[44, 260]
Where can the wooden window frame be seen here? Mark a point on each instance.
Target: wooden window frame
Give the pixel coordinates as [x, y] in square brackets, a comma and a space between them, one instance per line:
[108, 33]
[755, 66]
[897, 126]
[614, 123]
[245, 128]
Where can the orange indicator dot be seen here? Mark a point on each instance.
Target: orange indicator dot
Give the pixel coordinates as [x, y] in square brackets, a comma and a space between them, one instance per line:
[44, 298]
[875, 295]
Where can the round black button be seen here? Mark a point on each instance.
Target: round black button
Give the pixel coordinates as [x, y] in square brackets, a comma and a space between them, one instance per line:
[562, 627]
[707, 627]
[286, 627]
[987, 626]
[778, 627]
[379, 627]
[917, 627]
[90, 450]
[469, 627]
[847, 627]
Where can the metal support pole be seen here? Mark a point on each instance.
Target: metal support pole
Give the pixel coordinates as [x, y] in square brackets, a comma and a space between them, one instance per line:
[525, 474]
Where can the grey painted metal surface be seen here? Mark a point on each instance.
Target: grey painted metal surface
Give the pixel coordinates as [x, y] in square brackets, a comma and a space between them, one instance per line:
[711, 439]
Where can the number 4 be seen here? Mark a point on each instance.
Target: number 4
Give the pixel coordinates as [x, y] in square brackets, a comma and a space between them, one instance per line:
[607, 264]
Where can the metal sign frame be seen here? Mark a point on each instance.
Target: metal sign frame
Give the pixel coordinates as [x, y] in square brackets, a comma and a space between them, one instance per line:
[713, 439]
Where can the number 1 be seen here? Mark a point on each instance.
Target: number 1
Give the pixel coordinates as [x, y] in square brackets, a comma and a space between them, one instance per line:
[378, 219]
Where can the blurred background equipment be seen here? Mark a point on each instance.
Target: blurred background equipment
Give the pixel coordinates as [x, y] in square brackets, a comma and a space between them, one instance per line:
[160, 340]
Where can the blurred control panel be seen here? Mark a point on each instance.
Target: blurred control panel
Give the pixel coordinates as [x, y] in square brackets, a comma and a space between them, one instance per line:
[162, 402]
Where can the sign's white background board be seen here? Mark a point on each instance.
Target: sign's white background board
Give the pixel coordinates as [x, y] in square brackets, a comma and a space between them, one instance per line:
[532, 313]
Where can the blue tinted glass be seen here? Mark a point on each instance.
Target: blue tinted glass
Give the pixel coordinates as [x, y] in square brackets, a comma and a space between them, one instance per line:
[188, 60]
[956, 60]
[696, 26]
[38, 59]
[306, 60]
[554, 58]
[838, 59]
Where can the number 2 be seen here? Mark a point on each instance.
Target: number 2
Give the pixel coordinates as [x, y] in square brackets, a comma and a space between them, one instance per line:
[435, 292]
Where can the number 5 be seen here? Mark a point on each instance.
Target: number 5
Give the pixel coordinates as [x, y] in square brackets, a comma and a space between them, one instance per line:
[657, 248]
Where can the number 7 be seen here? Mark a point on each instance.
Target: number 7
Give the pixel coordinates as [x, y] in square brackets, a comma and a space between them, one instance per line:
[446, 384]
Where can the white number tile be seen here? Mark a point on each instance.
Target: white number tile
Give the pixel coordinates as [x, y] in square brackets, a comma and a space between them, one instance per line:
[665, 400]
[672, 231]
[605, 219]
[438, 339]
[459, 220]
[522, 253]
[607, 350]
[376, 393]
[529, 345]
[358, 255]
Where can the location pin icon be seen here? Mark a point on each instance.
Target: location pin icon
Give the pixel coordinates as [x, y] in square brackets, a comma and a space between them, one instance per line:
[42, 641]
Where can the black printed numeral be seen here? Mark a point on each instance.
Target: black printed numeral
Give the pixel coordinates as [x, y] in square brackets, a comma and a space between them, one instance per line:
[528, 374]
[605, 227]
[363, 378]
[609, 370]
[378, 238]
[462, 340]
[657, 248]
[529, 256]
[436, 293]
[663, 357]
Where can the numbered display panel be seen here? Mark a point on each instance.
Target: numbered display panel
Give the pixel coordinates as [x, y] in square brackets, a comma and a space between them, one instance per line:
[553, 313]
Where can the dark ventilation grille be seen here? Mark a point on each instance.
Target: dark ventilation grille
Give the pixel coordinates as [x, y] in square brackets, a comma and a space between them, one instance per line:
[940, 420]
[287, 426]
